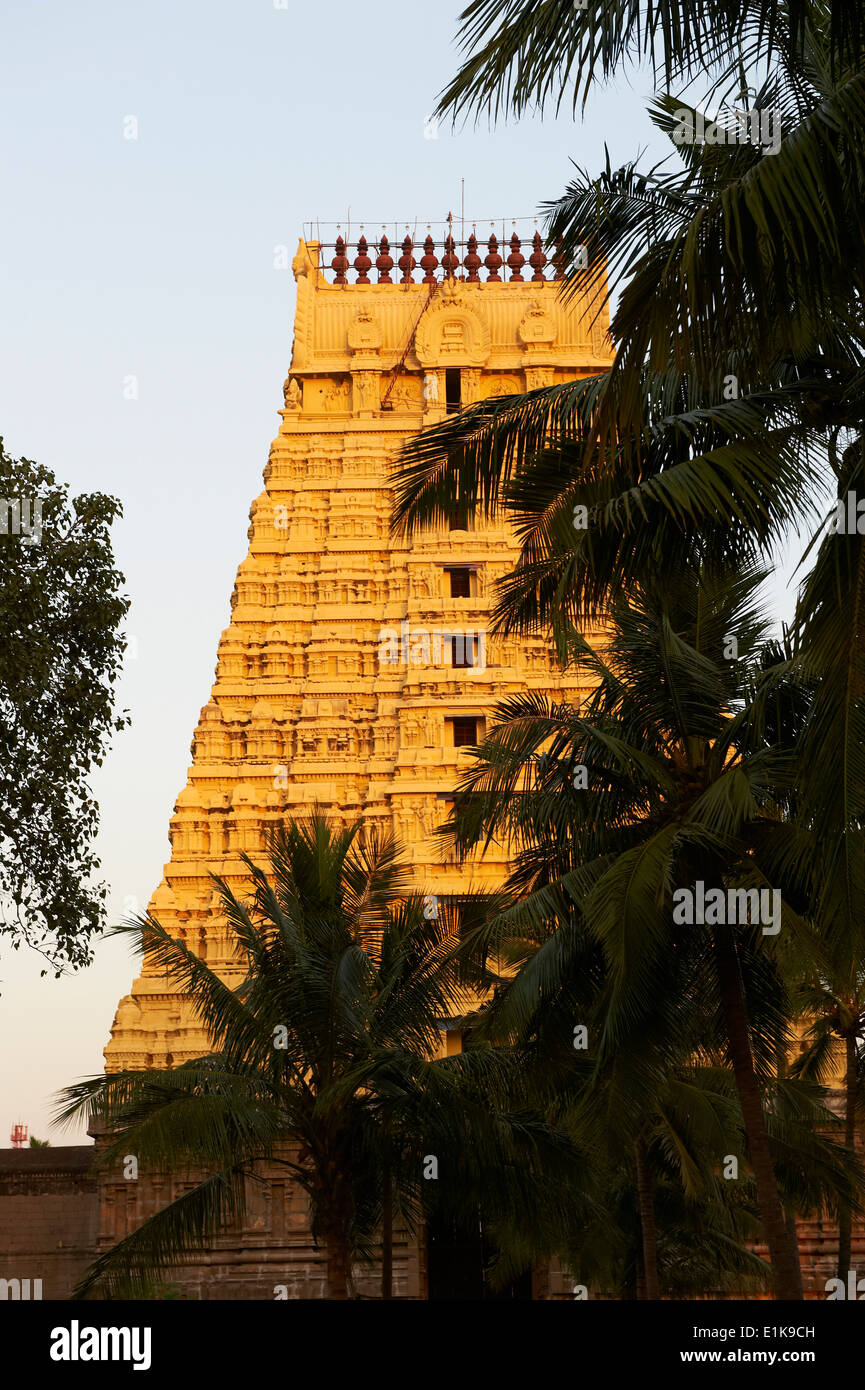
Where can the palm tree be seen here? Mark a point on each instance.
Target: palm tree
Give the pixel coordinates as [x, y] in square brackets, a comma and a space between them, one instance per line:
[738, 331]
[730, 288]
[830, 653]
[697, 1240]
[323, 1060]
[654, 1214]
[737, 373]
[738, 347]
[727, 266]
[687, 771]
[523, 55]
[703, 481]
[681, 1228]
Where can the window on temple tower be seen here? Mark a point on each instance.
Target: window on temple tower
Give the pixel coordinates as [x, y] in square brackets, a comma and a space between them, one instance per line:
[459, 519]
[465, 730]
[460, 583]
[463, 651]
[453, 390]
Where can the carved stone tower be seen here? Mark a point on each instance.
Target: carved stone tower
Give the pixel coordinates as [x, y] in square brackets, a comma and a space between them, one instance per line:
[355, 667]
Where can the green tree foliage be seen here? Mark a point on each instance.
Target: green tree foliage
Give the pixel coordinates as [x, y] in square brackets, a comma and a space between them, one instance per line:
[324, 1061]
[522, 55]
[687, 763]
[734, 405]
[60, 613]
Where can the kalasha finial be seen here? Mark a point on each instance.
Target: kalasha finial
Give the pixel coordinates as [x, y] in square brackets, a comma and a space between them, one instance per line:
[384, 261]
[362, 261]
[537, 260]
[450, 259]
[493, 260]
[407, 261]
[429, 260]
[472, 260]
[516, 260]
[339, 264]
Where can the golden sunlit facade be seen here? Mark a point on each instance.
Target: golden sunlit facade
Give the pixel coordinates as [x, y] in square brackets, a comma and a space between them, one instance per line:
[338, 680]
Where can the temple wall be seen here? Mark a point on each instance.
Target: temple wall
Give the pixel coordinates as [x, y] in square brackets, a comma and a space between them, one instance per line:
[57, 1215]
[49, 1216]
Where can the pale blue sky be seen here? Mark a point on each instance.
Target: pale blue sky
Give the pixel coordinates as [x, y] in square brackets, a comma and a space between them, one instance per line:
[154, 258]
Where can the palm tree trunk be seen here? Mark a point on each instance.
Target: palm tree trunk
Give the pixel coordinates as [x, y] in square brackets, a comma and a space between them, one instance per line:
[337, 1263]
[845, 1216]
[387, 1238]
[783, 1250]
[640, 1282]
[646, 1195]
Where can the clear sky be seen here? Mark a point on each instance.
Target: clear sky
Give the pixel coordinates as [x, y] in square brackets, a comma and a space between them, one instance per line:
[153, 258]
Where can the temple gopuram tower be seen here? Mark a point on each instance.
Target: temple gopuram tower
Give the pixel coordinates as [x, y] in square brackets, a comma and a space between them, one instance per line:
[310, 704]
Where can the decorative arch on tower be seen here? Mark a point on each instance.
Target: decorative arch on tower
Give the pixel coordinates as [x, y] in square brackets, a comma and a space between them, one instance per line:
[452, 335]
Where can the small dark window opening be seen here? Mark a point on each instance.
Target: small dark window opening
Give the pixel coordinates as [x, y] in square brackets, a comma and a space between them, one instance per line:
[465, 732]
[462, 651]
[461, 583]
[455, 812]
[459, 517]
[453, 390]
[455, 908]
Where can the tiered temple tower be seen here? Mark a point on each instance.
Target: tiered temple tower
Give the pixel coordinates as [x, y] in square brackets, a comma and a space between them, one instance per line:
[313, 701]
